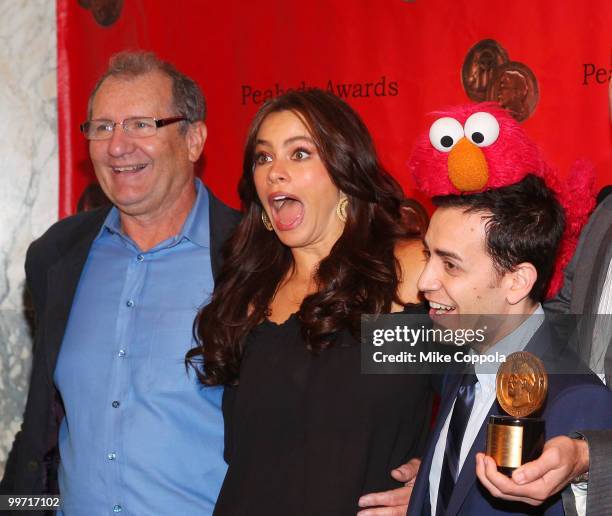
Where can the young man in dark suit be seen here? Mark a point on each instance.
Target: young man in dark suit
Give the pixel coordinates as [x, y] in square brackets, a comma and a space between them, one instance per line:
[492, 253]
[587, 290]
[115, 293]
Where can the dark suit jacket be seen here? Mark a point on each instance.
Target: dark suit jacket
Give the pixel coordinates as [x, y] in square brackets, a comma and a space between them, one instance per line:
[53, 267]
[584, 279]
[564, 411]
[581, 293]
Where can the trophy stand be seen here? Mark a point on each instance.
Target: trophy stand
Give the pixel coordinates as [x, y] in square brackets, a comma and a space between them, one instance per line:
[521, 387]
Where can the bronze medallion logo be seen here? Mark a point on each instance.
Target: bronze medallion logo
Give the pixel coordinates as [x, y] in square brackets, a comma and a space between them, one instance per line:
[521, 384]
[489, 75]
[515, 88]
[479, 66]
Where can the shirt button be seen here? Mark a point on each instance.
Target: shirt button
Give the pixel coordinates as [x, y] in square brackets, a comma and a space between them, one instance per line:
[117, 508]
[129, 303]
[111, 456]
[140, 257]
[121, 353]
[116, 404]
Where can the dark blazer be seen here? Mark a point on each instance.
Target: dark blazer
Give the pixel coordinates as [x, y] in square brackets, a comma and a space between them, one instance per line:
[581, 293]
[564, 411]
[53, 267]
[584, 278]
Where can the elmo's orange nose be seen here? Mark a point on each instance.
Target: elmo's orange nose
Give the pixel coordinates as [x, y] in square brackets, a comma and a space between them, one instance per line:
[467, 167]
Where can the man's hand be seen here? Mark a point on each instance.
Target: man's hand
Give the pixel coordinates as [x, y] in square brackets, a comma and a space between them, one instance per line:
[562, 460]
[394, 502]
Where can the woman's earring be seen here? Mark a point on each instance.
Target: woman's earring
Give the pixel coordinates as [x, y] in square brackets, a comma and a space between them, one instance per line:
[266, 221]
[341, 208]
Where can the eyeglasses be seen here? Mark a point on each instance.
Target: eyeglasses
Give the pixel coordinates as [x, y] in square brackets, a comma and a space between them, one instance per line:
[136, 127]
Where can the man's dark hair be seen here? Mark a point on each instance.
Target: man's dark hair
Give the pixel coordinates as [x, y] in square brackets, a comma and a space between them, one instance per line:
[525, 223]
[187, 96]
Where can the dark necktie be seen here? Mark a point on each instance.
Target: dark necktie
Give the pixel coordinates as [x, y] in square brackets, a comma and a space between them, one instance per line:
[454, 438]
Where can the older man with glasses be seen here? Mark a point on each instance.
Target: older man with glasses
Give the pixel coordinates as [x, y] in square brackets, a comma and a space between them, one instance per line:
[113, 420]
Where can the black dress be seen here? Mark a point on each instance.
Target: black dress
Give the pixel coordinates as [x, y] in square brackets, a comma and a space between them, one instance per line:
[309, 434]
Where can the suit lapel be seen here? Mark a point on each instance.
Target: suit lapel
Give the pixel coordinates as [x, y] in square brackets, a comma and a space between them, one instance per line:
[222, 220]
[591, 268]
[62, 280]
[421, 488]
[600, 270]
[598, 273]
[467, 476]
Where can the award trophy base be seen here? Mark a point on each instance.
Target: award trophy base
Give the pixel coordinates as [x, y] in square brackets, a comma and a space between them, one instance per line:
[512, 441]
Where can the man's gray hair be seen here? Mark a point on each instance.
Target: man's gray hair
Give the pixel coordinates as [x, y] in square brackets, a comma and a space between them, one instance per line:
[187, 96]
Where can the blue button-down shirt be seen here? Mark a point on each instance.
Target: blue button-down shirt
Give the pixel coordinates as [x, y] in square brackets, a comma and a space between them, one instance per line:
[140, 436]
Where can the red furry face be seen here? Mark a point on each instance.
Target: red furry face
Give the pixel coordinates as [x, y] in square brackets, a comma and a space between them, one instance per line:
[505, 160]
[473, 148]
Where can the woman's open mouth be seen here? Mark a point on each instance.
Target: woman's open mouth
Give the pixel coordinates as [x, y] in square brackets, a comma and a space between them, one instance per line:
[287, 211]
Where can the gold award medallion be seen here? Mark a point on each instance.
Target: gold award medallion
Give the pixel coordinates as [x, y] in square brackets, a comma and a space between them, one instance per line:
[521, 384]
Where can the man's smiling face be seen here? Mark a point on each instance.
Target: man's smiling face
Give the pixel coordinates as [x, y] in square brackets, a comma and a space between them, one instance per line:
[460, 277]
[141, 176]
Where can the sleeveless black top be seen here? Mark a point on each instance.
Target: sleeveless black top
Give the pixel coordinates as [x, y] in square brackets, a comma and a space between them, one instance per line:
[309, 434]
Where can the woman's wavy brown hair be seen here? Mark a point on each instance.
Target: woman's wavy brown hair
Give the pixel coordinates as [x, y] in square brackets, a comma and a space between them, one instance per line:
[360, 275]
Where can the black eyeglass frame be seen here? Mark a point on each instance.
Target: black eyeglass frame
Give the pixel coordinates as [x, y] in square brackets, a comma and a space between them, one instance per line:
[159, 122]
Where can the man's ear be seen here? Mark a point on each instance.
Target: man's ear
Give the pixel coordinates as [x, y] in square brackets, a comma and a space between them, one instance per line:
[521, 279]
[196, 137]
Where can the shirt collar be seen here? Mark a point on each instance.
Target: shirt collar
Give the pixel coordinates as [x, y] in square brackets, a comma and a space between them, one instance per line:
[515, 341]
[112, 223]
[195, 228]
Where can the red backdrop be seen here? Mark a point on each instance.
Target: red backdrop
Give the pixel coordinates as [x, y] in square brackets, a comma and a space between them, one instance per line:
[411, 52]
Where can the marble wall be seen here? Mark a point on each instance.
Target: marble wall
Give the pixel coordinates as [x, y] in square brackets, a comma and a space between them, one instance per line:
[29, 183]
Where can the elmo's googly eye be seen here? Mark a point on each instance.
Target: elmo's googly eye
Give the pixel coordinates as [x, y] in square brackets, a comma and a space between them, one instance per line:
[444, 133]
[482, 129]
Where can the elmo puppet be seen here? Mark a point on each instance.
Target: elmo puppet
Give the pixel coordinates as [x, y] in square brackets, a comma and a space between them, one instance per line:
[477, 147]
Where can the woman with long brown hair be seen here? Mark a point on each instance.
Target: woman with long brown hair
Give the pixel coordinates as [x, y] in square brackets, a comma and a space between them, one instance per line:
[321, 243]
